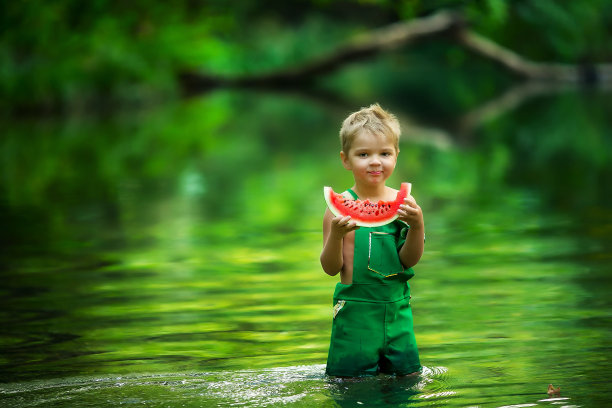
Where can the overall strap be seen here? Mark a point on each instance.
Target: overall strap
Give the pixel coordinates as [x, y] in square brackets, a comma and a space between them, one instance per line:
[353, 194]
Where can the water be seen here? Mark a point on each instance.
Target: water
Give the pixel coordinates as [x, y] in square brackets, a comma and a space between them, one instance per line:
[170, 258]
[299, 386]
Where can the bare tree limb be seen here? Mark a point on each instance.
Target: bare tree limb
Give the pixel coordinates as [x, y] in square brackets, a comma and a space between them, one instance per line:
[400, 34]
[517, 64]
[364, 45]
[511, 99]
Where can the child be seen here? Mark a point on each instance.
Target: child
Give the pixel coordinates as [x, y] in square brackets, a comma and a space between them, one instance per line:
[372, 327]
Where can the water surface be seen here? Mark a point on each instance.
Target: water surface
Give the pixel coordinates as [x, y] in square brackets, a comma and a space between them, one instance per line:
[170, 258]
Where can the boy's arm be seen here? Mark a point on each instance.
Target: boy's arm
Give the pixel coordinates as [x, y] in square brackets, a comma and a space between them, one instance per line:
[412, 250]
[334, 230]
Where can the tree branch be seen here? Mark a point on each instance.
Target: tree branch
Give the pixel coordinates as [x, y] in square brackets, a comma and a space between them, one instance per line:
[365, 45]
[517, 64]
[400, 34]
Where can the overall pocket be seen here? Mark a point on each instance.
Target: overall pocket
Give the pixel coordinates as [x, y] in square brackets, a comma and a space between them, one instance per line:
[383, 257]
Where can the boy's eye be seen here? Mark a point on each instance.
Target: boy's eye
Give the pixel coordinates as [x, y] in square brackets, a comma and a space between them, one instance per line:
[363, 155]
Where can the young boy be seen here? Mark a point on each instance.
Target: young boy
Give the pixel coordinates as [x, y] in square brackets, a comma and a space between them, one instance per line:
[372, 327]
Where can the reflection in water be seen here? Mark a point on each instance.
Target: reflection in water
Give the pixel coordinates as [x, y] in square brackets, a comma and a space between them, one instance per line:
[389, 390]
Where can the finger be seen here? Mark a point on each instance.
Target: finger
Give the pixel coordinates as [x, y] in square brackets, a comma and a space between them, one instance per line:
[407, 208]
[410, 201]
[352, 226]
[412, 214]
[409, 213]
[340, 220]
[404, 216]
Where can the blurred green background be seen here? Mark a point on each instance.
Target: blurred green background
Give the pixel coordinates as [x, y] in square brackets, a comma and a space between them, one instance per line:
[144, 231]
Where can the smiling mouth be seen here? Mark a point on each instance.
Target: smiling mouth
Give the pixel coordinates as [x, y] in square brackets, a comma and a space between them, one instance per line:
[375, 173]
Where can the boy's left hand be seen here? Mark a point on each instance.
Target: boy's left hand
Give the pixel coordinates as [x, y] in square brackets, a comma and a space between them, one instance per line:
[411, 213]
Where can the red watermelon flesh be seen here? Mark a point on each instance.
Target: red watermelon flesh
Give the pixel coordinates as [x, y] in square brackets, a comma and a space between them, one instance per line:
[365, 213]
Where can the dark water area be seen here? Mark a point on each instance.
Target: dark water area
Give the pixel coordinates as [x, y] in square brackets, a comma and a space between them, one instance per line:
[169, 257]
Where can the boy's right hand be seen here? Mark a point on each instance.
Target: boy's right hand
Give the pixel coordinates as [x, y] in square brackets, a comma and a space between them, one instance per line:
[340, 226]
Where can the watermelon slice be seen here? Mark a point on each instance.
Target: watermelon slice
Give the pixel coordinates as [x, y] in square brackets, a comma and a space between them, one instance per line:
[365, 213]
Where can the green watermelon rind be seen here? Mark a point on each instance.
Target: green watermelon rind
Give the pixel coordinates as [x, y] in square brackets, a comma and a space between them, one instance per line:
[404, 191]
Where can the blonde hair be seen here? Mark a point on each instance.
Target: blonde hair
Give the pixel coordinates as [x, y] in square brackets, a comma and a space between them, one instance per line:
[372, 119]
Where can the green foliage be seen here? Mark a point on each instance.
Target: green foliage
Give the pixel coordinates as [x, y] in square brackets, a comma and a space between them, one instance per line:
[94, 54]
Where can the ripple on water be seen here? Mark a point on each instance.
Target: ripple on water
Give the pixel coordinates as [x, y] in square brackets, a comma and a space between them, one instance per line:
[283, 386]
[296, 386]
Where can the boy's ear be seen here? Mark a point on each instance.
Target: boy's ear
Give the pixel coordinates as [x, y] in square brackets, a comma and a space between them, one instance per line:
[345, 161]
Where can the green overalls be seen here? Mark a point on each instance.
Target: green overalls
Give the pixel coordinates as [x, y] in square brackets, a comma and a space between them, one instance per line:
[372, 329]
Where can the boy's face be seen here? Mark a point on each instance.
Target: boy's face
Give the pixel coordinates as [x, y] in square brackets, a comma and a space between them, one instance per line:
[371, 158]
